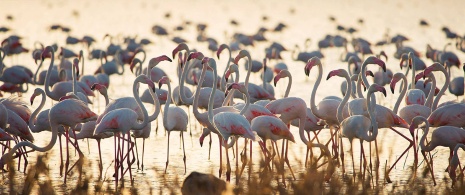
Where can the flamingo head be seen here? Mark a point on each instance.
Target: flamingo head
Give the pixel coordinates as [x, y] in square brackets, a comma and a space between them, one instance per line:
[282, 74]
[101, 88]
[133, 64]
[311, 62]
[36, 93]
[375, 87]
[204, 134]
[375, 60]
[419, 76]
[76, 65]
[382, 53]
[239, 56]
[338, 72]
[144, 79]
[154, 61]
[403, 57]
[232, 69]
[220, 49]
[434, 67]
[240, 87]
[181, 46]
[46, 51]
[72, 96]
[81, 54]
[369, 73]
[211, 62]
[396, 78]
[415, 122]
[163, 80]
[195, 55]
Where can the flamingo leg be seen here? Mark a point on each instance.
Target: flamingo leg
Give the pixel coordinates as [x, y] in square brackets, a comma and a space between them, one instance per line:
[184, 151]
[308, 149]
[143, 149]
[342, 155]
[228, 168]
[287, 160]
[210, 146]
[221, 156]
[243, 158]
[281, 163]
[116, 162]
[353, 162]
[168, 152]
[61, 155]
[67, 153]
[429, 166]
[137, 154]
[100, 164]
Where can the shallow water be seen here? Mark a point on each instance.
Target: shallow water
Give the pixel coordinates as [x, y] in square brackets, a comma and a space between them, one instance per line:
[304, 20]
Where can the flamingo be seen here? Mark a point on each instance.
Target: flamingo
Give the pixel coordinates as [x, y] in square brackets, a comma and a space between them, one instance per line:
[456, 85]
[61, 88]
[42, 75]
[357, 126]
[438, 67]
[229, 123]
[67, 113]
[101, 77]
[256, 92]
[174, 119]
[447, 136]
[89, 80]
[122, 120]
[454, 162]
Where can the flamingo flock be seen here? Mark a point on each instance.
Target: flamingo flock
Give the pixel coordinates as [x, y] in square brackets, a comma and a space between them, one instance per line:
[220, 104]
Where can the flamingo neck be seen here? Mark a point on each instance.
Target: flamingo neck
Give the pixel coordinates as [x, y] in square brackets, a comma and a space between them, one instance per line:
[37, 71]
[223, 81]
[402, 93]
[212, 97]
[374, 124]
[139, 126]
[429, 100]
[353, 78]
[118, 62]
[167, 105]
[289, 84]
[47, 76]
[315, 87]
[412, 82]
[155, 96]
[443, 89]
[36, 111]
[340, 118]
[249, 70]
[195, 108]
[359, 88]
[184, 98]
[4, 115]
[424, 147]
[247, 103]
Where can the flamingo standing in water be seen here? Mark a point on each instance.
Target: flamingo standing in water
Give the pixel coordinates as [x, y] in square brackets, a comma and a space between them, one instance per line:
[68, 113]
[174, 119]
[357, 126]
[121, 121]
[454, 162]
[229, 123]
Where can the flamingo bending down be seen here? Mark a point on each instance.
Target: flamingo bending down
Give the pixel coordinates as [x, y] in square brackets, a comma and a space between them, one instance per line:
[454, 162]
[174, 119]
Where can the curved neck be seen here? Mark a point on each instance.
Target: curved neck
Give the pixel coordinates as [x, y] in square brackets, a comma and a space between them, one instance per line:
[102, 56]
[139, 126]
[107, 101]
[156, 102]
[359, 87]
[82, 69]
[363, 75]
[49, 73]
[247, 103]
[73, 72]
[36, 111]
[4, 116]
[37, 71]
[184, 98]
[119, 64]
[249, 70]
[340, 118]
[443, 89]
[223, 81]
[212, 97]
[429, 100]
[353, 78]
[424, 147]
[412, 82]
[289, 84]
[195, 109]
[372, 115]
[402, 94]
[315, 87]
[167, 105]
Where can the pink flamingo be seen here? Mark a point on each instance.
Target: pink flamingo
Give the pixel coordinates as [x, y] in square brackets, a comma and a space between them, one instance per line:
[67, 113]
[89, 80]
[454, 162]
[174, 119]
[121, 121]
[357, 126]
[61, 88]
[256, 92]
